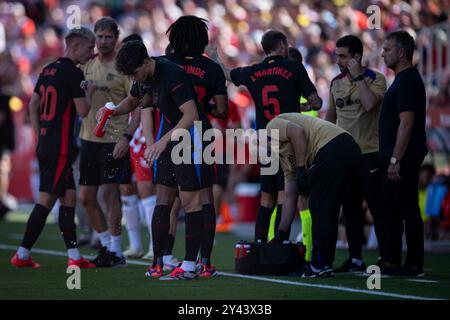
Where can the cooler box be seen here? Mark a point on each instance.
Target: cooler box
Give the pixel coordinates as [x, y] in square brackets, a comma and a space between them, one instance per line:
[247, 200]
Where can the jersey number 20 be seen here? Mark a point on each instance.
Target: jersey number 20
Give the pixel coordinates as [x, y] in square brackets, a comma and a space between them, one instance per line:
[47, 107]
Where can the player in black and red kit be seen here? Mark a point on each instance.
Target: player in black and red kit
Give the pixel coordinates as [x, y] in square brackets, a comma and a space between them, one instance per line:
[276, 85]
[188, 37]
[56, 99]
[168, 88]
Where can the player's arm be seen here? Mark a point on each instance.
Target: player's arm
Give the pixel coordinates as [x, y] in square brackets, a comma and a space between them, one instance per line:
[401, 143]
[297, 138]
[331, 115]
[189, 110]
[314, 101]
[147, 125]
[33, 109]
[220, 108]
[127, 105]
[215, 56]
[369, 99]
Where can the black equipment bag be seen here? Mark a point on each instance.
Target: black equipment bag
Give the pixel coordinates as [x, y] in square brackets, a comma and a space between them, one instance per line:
[268, 258]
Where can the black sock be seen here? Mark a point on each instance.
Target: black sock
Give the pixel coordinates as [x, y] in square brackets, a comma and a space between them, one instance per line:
[168, 247]
[281, 236]
[35, 224]
[262, 224]
[160, 230]
[209, 231]
[66, 220]
[194, 227]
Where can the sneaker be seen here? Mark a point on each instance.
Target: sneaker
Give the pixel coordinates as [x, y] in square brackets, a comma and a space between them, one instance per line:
[24, 263]
[412, 272]
[117, 262]
[350, 266]
[102, 259]
[312, 272]
[132, 253]
[154, 272]
[171, 264]
[82, 263]
[208, 272]
[180, 274]
[391, 271]
[148, 255]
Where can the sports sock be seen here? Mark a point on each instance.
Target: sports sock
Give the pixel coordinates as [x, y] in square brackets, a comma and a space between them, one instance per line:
[66, 221]
[23, 253]
[305, 217]
[208, 233]
[160, 229]
[130, 211]
[188, 265]
[116, 245]
[35, 224]
[105, 239]
[168, 247]
[262, 224]
[149, 204]
[73, 253]
[194, 227]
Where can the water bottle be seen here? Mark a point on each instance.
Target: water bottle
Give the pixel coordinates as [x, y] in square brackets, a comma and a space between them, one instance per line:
[100, 128]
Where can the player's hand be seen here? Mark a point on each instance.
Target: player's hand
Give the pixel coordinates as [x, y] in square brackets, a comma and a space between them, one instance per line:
[121, 148]
[153, 151]
[355, 68]
[305, 107]
[88, 85]
[393, 172]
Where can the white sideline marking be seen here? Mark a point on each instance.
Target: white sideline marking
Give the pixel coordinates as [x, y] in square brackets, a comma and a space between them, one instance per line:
[422, 280]
[278, 281]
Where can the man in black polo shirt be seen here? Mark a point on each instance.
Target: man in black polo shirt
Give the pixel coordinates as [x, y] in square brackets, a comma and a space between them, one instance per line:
[276, 85]
[402, 149]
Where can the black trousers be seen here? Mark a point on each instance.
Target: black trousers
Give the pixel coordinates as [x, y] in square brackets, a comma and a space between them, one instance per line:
[329, 174]
[364, 185]
[400, 209]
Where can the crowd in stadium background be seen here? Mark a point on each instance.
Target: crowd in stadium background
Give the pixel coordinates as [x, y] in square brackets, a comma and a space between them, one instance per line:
[31, 34]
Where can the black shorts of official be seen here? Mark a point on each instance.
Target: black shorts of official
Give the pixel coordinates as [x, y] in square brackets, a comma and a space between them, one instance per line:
[272, 183]
[97, 165]
[55, 174]
[186, 177]
[221, 172]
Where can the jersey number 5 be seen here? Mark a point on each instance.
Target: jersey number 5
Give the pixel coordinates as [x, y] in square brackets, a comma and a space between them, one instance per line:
[271, 105]
[47, 107]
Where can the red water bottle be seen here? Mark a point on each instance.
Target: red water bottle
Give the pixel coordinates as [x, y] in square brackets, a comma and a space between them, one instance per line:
[100, 128]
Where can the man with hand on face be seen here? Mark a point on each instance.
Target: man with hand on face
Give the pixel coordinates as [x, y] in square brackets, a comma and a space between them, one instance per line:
[356, 95]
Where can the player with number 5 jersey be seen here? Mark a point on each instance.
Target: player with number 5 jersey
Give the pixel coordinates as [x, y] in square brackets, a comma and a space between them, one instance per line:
[276, 85]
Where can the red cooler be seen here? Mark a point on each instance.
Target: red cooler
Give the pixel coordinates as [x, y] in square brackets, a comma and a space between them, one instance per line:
[247, 199]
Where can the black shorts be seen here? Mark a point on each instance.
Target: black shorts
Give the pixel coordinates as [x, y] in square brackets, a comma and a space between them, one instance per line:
[55, 174]
[272, 183]
[186, 177]
[221, 171]
[97, 165]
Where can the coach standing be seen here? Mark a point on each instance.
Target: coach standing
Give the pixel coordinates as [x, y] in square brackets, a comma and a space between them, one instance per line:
[402, 149]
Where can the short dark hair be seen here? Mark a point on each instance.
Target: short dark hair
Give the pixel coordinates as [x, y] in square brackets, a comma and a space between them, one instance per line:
[132, 37]
[353, 43]
[271, 40]
[403, 40]
[189, 34]
[79, 33]
[107, 23]
[131, 56]
[295, 55]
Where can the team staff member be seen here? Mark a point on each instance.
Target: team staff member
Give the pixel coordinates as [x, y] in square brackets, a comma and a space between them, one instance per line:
[356, 95]
[168, 88]
[56, 99]
[104, 161]
[402, 149]
[276, 85]
[311, 151]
